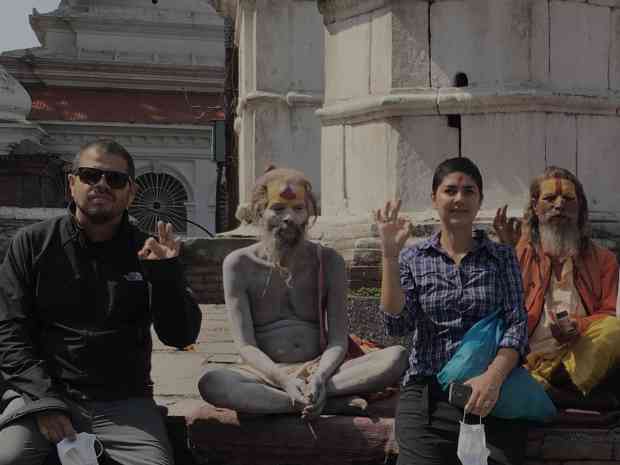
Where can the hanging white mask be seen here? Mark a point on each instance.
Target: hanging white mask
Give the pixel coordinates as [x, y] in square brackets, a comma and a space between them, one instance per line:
[472, 445]
[81, 451]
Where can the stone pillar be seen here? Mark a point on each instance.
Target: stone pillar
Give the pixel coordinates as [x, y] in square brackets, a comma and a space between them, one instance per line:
[280, 86]
[516, 85]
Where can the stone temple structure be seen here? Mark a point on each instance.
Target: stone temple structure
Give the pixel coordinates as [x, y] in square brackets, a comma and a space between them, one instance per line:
[34, 179]
[280, 86]
[516, 85]
[149, 74]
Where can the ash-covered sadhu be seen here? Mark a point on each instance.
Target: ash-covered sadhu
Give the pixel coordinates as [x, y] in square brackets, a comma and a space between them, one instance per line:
[291, 362]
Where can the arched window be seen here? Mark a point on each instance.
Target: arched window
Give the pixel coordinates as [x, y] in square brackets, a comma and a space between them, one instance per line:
[159, 197]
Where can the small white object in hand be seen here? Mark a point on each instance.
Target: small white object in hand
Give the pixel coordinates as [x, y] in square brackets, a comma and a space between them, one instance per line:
[80, 451]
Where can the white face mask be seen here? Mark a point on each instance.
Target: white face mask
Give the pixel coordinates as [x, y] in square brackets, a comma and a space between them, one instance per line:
[79, 452]
[472, 446]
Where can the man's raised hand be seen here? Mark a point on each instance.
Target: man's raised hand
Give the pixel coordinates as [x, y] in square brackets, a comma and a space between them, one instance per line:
[508, 230]
[167, 247]
[393, 230]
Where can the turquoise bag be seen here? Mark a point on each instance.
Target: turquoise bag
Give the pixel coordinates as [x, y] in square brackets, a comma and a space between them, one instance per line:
[521, 396]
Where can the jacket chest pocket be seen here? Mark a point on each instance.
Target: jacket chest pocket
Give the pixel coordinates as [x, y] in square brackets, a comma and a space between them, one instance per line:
[61, 301]
[127, 300]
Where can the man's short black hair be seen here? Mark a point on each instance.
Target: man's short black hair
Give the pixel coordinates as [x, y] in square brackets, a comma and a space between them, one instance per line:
[109, 147]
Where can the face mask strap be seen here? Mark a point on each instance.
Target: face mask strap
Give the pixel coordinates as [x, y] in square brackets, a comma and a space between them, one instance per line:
[465, 417]
[100, 453]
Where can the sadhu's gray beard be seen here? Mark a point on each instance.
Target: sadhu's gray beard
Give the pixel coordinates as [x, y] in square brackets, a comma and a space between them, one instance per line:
[560, 240]
[280, 249]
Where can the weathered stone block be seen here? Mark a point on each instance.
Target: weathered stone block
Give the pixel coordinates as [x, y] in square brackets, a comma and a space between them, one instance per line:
[410, 45]
[281, 80]
[273, 33]
[611, 3]
[580, 41]
[561, 141]
[540, 42]
[599, 139]
[489, 40]
[509, 150]
[272, 137]
[306, 48]
[347, 55]
[305, 154]
[333, 191]
[368, 169]
[423, 143]
[614, 64]
[380, 51]
[578, 445]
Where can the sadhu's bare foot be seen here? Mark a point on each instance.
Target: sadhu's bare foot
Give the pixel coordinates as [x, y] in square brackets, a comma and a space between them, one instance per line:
[346, 405]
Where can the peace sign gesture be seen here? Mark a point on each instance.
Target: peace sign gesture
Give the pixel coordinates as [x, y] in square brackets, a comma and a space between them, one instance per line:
[167, 246]
[393, 230]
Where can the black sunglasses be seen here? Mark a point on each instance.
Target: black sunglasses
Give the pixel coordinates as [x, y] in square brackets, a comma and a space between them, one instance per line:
[91, 176]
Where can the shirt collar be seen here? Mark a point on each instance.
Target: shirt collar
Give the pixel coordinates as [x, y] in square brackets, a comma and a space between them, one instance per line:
[481, 242]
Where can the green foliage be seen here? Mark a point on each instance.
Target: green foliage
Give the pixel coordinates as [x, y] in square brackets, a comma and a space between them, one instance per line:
[365, 292]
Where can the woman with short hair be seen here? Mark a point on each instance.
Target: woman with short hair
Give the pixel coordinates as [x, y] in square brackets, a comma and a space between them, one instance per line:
[435, 291]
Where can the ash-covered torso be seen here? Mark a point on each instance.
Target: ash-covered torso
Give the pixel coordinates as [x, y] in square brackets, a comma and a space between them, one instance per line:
[284, 309]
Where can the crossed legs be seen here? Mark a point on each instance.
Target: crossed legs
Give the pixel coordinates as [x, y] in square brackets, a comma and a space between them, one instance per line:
[247, 393]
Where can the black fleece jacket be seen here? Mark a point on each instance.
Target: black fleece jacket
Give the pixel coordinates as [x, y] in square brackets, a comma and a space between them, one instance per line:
[75, 316]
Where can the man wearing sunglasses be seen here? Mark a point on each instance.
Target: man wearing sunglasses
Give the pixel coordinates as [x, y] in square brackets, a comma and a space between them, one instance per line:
[78, 295]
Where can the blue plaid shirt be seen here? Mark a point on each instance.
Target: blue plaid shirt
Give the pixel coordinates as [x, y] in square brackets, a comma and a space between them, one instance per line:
[443, 300]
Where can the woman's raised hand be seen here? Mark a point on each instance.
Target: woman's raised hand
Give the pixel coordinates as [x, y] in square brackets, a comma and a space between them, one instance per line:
[393, 230]
[508, 230]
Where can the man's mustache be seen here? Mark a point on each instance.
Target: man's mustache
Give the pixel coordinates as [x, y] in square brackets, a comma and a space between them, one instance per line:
[100, 190]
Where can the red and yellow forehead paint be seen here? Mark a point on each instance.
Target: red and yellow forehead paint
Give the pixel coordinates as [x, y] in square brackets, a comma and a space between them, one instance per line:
[286, 193]
[555, 187]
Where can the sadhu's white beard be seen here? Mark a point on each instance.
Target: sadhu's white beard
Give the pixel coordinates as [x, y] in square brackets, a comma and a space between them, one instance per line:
[279, 251]
[559, 240]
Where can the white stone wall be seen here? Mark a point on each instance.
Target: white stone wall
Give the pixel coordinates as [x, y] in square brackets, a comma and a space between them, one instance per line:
[543, 89]
[280, 87]
[489, 40]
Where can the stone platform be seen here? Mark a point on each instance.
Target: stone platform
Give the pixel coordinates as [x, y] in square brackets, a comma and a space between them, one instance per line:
[221, 437]
[203, 434]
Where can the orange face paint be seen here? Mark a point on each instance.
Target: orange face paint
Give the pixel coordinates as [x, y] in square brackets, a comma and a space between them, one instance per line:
[556, 187]
[282, 192]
